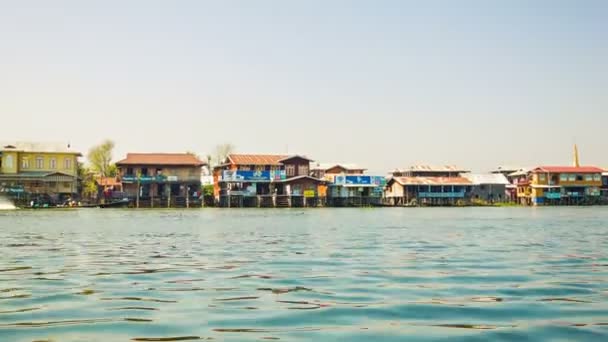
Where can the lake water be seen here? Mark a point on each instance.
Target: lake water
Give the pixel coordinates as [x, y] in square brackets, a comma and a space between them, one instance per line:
[394, 274]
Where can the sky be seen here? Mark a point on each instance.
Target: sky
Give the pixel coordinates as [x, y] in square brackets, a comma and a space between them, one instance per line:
[383, 84]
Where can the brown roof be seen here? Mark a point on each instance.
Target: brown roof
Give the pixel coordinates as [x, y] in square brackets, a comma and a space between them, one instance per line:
[568, 169]
[432, 181]
[177, 159]
[256, 159]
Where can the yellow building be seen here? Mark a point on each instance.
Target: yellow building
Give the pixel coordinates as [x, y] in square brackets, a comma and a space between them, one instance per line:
[36, 169]
[551, 185]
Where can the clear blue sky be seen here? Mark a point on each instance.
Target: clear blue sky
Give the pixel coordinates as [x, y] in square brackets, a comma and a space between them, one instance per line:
[383, 84]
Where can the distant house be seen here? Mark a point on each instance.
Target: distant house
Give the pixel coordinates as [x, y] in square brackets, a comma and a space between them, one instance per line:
[560, 185]
[266, 180]
[605, 185]
[39, 170]
[491, 187]
[349, 185]
[430, 171]
[428, 185]
[161, 179]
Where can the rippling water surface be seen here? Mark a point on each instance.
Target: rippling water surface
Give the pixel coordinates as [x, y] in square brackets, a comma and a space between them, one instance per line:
[328, 274]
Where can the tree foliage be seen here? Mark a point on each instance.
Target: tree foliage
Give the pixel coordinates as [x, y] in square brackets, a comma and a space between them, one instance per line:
[100, 159]
[87, 181]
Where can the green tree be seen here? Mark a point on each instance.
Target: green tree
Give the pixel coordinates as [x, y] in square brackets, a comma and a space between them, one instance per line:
[100, 159]
[88, 186]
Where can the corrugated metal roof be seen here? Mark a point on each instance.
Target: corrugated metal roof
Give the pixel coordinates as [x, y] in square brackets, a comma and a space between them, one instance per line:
[520, 172]
[486, 178]
[177, 159]
[432, 168]
[40, 147]
[256, 159]
[432, 181]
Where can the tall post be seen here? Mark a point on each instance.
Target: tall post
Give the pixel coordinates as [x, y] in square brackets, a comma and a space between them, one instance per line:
[169, 198]
[187, 196]
[137, 195]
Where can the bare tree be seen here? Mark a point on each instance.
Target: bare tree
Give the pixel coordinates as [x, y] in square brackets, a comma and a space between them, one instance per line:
[222, 151]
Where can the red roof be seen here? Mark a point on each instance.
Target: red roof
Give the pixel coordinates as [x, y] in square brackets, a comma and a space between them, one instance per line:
[568, 169]
[432, 181]
[256, 159]
[107, 181]
[176, 159]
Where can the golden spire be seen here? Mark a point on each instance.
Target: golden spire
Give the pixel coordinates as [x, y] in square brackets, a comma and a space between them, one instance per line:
[576, 161]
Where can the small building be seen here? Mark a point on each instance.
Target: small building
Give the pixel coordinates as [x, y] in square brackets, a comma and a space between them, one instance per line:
[266, 180]
[561, 185]
[605, 187]
[108, 188]
[161, 179]
[349, 186]
[44, 173]
[431, 191]
[428, 185]
[489, 188]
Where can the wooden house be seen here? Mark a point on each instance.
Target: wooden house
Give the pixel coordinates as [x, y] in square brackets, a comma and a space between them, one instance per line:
[428, 185]
[262, 180]
[161, 179]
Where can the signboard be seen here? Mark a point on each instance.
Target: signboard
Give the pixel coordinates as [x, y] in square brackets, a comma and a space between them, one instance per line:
[145, 179]
[309, 193]
[358, 180]
[252, 176]
[441, 194]
[340, 180]
[553, 195]
[13, 189]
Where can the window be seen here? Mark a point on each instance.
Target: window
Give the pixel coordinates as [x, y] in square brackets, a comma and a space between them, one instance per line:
[579, 178]
[290, 170]
[563, 177]
[597, 177]
[159, 172]
[8, 161]
[130, 171]
[67, 163]
[25, 163]
[542, 177]
[52, 163]
[571, 177]
[67, 184]
[144, 171]
[589, 178]
[39, 163]
[303, 170]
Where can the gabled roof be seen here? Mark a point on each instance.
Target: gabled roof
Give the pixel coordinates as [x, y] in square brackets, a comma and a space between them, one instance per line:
[295, 156]
[39, 147]
[167, 159]
[568, 169]
[327, 166]
[489, 178]
[432, 181]
[256, 159]
[520, 172]
[303, 177]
